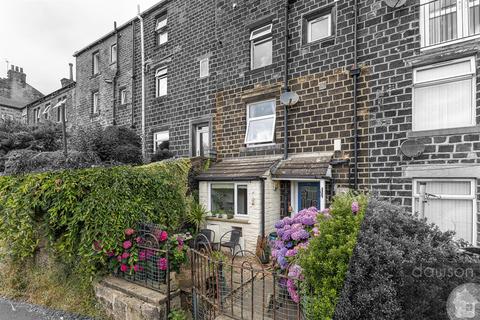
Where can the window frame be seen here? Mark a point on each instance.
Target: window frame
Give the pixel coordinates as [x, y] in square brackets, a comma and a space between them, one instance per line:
[162, 30]
[161, 73]
[36, 115]
[472, 196]
[207, 73]
[95, 102]
[46, 110]
[316, 18]
[196, 139]
[274, 115]
[155, 138]
[258, 39]
[96, 63]
[235, 197]
[471, 75]
[113, 57]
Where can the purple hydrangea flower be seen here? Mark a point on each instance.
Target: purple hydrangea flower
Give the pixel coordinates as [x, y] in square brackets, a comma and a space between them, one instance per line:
[355, 207]
[279, 224]
[291, 253]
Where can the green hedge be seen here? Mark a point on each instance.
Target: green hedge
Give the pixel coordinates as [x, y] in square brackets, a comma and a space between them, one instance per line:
[74, 208]
[325, 262]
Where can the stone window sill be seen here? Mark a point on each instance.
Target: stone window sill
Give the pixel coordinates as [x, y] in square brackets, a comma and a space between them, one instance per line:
[234, 220]
[443, 132]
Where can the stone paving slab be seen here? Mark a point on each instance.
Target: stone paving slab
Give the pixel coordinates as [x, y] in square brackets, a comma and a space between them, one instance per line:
[14, 310]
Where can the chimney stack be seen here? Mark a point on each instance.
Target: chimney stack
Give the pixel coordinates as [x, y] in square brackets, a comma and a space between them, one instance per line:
[16, 74]
[71, 71]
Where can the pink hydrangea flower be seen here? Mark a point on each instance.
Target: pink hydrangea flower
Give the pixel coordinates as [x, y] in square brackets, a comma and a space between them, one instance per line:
[110, 253]
[355, 207]
[97, 245]
[124, 267]
[129, 231]
[137, 268]
[125, 255]
[142, 255]
[138, 240]
[162, 264]
[119, 258]
[163, 236]
[127, 244]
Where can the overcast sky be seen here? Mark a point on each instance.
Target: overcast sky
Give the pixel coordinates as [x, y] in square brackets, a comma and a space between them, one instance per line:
[41, 35]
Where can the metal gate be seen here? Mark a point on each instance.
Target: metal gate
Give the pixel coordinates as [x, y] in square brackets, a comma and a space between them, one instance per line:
[239, 289]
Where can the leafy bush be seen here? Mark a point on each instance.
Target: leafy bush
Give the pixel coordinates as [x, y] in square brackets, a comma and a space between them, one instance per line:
[23, 161]
[112, 144]
[385, 278]
[74, 208]
[325, 262]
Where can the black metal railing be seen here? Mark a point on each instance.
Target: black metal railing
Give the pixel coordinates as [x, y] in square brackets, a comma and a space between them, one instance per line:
[443, 21]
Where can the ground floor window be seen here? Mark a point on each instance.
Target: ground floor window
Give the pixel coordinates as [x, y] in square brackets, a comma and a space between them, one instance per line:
[449, 203]
[228, 198]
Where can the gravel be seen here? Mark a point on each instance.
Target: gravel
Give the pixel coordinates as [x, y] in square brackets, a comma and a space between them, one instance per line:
[14, 310]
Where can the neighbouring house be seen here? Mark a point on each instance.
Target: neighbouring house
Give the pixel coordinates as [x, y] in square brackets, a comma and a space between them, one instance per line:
[15, 93]
[51, 106]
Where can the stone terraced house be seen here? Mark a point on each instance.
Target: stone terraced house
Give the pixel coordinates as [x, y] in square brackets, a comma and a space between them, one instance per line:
[387, 102]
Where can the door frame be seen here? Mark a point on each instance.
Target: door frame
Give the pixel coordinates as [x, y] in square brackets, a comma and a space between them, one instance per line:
[294, 192]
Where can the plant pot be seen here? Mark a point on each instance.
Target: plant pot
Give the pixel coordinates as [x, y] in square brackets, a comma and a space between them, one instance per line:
[230, 216]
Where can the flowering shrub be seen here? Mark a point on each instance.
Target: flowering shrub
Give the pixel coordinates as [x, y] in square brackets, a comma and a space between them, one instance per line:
[293, 235]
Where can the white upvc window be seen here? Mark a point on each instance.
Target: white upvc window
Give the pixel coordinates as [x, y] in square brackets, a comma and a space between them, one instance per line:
[161, 140]
[443, 21]
[444, 95]
[202, 140]
[319, 28]
[95, 62]
[123, 96]
[46, 111]
[450, 204]
[161, 82]
[228, 198]
[36, 115]
[113, 53]
[204, 67]
[161, 29]
[95, 102]
[260, 122]
[261, 47]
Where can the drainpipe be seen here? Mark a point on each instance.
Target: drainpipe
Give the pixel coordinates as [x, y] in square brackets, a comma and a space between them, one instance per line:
[132, 124]
[262, 208]
[355, 73]
[285, 86]
[115, 77]
[142, 49]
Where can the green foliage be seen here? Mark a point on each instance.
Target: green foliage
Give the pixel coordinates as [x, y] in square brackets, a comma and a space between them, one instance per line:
[196, 214]
[112, 143]
[326, 260]
[74, 208]
[177, 315]
[385, 278]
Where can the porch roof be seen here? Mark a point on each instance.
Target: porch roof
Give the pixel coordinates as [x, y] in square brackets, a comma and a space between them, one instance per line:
[303, 167]
[246, 168]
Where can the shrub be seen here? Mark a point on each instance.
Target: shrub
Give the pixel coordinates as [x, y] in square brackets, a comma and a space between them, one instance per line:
[74, 208]
[24, 161]
[325, 262]
[381, 282]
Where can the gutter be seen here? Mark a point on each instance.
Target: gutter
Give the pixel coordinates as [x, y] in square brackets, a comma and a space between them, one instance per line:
[355, 73]
[142, 50]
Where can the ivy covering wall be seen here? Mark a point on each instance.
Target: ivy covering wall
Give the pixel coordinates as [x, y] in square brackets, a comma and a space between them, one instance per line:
[72, 209]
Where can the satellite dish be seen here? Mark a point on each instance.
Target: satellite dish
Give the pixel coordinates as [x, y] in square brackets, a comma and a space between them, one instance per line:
[395, 3]
[412, 148]
[289, 98]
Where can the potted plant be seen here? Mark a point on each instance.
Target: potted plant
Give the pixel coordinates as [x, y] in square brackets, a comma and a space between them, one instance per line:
[230, 216]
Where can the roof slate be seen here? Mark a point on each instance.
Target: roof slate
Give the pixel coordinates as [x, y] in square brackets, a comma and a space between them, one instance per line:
[303, 167]
[248, 168]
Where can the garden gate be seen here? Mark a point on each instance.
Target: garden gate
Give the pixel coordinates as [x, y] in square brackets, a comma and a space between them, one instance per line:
[239, 289]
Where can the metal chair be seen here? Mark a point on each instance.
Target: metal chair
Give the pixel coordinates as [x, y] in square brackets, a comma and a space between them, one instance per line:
[234, 241]
[204, 239]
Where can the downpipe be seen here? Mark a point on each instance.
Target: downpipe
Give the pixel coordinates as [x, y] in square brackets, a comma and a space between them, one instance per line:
[142, 51]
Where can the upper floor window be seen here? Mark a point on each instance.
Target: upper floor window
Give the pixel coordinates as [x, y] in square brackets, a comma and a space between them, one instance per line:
[204, 68]
[113, 53]
[444, 95]
[161, 141]
[201, 139]
[448, 20]
[95, 102]
[161, 29]
[123, 96]
[95, 62]
[161, 80]
[319, 27]
[36, 115]
[261, 47]
[260, 122]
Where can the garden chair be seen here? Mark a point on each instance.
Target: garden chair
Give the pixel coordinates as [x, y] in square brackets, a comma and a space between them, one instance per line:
[204, 239]
[234, 241]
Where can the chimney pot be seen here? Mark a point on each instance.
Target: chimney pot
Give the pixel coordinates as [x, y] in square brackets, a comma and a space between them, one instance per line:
[13, 67]
[21, 70]
[16, 68]
[71, 71]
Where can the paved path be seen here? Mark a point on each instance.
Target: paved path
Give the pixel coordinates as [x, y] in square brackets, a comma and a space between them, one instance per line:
[11, 310]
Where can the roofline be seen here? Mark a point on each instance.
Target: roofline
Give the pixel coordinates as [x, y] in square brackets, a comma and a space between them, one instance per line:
[11, 107]
[248, 178]
[48, 96]
[121, 27]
